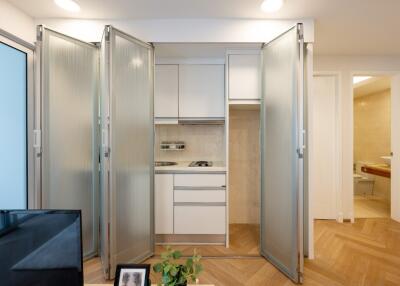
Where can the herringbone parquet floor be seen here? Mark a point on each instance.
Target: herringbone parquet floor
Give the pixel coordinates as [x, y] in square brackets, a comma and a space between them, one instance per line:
[364, 253]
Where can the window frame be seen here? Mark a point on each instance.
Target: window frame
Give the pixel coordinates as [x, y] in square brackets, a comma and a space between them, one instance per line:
[29, 49]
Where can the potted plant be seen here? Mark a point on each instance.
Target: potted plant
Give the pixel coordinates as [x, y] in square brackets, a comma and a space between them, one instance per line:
[175, 274]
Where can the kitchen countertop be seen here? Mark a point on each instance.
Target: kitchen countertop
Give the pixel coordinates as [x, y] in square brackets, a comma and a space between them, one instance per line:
[183, 167]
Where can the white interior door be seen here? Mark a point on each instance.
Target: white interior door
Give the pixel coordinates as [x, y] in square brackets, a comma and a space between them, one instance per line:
[282, 152]
[395, 164]
[127, 159]
[324, 128]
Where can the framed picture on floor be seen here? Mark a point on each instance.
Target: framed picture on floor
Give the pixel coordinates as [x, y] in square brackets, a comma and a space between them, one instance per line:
[132, 275]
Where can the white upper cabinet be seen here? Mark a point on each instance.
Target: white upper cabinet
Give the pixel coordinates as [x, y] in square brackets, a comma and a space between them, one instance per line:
[166, 91]
[244, 76]
[201, 91]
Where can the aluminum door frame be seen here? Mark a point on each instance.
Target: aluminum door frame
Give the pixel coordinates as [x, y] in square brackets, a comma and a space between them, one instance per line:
[31, 113]
[301, 149]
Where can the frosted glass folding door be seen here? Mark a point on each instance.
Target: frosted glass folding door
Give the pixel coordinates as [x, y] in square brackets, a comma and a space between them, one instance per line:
[69, 87]
[282, 144]
[127, 175]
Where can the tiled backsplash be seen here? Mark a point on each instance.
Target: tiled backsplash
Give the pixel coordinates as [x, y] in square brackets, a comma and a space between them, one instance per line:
[202, 142]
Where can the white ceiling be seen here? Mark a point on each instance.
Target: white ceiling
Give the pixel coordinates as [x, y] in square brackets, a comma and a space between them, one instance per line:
[345, 27]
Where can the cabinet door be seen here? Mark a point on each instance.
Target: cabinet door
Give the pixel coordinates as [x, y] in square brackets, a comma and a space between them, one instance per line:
[201, 91]
[244, 77]
[200, 180]
[166, 91]
[199, 219]
[164, 203]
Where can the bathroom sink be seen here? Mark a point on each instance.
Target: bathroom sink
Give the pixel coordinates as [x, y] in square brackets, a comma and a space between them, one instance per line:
[164, 163]
[387, 159]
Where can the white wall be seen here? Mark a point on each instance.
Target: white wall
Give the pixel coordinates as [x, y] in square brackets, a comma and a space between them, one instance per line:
[16, 22]
[182, 30]
[346, 66]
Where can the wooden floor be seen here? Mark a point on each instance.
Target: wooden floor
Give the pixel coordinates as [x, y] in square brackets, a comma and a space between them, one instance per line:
[364, 253]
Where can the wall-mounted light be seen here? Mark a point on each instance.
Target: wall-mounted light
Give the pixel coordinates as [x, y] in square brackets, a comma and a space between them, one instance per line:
[270, 6]
[68, 5]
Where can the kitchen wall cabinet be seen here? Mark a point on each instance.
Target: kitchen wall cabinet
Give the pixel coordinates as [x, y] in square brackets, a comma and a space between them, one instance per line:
[163, 203]
[201, 91]
[244, 80]
[166, 92]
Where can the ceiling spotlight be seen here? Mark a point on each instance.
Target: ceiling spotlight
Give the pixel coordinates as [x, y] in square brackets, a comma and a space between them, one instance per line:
[270, 6]
[68, 5]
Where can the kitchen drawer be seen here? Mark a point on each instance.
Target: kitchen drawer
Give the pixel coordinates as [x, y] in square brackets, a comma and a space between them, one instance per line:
[199, 180]
[199, 196]
[199, 220]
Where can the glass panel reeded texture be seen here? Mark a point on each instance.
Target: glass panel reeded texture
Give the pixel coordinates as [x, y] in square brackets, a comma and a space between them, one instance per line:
[279, 187]
[13, 118]
[69, 118]
[131, 149]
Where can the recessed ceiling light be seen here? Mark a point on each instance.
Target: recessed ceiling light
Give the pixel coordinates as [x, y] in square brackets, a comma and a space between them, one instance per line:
[68, 5]
[358, 79]
[270, 6]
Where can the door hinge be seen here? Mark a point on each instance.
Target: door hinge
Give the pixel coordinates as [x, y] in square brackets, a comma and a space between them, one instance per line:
[107, 31]
[300, 32]
[39, 33]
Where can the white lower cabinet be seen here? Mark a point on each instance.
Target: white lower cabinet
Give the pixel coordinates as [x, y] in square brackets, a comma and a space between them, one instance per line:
[190, 204]
[200, 180]
[164, 203]
[199, 219]
[199, 196]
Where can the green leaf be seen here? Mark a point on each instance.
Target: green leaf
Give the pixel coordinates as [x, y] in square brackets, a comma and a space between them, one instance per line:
[157, 267]
[198, 268]
[167, 268]
[164, 256]
[189, 262]
[176, 254]
[166, 279]
[174, 270]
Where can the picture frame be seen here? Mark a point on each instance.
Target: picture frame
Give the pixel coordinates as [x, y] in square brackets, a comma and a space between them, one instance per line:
[132, 275]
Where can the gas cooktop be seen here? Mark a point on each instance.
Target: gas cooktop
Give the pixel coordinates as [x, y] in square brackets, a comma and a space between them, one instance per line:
[201, 164]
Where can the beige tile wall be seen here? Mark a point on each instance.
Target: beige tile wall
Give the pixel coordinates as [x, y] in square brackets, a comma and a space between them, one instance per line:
[203, 142]
[244, 166]
[372, 133]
